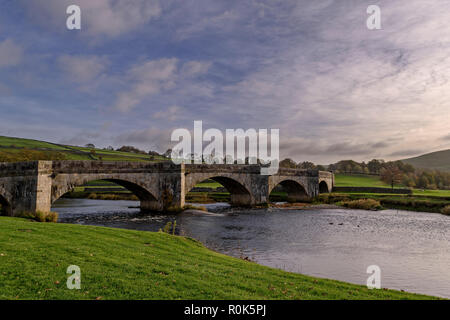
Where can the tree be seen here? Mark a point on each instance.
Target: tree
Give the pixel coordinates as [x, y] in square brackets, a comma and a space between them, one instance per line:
[375, 165]
[287, 163]
[306, 165]
[168, 153]
[391, 174]
[90, 145]
[131, 149]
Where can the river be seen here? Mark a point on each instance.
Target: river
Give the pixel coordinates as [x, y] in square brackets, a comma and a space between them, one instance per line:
[412, 249]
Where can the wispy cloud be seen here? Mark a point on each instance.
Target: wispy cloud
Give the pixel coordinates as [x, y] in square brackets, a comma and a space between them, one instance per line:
[82, 68]
[11, 53]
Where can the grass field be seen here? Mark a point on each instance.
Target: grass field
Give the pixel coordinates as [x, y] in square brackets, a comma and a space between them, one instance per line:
[434, 193]
[346, 180]
[29, 143]
[360, 180]
[127, 264]
[420, 200]
[18, 149]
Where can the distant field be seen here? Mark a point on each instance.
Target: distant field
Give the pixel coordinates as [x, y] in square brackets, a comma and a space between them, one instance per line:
[17, 149]
[209, 184]
[28, 143]
[343, 180]
[434, 193]
[360, 180]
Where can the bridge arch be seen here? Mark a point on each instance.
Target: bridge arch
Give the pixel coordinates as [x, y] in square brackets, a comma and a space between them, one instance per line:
[5, 209]
[296, 192]
[146, 197]
[5, 201]
[324, 187]
[239, 192]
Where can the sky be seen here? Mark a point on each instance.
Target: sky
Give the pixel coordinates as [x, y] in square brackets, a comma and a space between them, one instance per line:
[139, 69]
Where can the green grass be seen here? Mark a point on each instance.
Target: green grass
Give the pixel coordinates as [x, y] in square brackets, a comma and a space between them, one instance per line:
[29, 143]
[360, 180]
[208, 184]
[14, 149]
[346, 180]
[434, 193]
[127, 264]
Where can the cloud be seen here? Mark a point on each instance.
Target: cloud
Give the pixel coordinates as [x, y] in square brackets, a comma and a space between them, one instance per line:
[305, 148]
[407, 153]
[446, 138]
[146, 79]
[82, 68]
[172, 113]
[194, 68]
[153, 77]
[81, 138]
[11, 53]
[219, 23]
[149, 139]
[110, 18]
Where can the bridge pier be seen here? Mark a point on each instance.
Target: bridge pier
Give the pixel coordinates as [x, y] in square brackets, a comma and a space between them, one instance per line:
[25, 187]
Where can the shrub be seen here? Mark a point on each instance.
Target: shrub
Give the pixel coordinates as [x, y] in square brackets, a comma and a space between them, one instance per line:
[446, 210]
[169, 228]
[365, 204]
[40, 216]
[51, 217]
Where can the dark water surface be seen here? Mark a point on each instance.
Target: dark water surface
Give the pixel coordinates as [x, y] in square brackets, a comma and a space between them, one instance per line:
[411, 248]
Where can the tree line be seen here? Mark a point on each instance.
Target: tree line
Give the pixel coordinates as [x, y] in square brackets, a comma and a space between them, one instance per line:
[390, 172]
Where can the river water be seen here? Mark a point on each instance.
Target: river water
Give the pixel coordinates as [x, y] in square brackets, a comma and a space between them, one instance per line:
[412, 249]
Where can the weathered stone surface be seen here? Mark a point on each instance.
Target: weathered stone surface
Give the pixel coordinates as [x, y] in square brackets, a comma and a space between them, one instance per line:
[31, 186]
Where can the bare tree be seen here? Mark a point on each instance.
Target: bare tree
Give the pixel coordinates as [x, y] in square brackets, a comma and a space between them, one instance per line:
[391, 174]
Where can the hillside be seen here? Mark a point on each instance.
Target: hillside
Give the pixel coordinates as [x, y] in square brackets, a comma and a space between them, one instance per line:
[18, 149]
[439, 160]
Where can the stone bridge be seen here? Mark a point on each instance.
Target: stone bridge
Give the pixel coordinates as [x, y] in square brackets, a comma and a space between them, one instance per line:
[35, 186]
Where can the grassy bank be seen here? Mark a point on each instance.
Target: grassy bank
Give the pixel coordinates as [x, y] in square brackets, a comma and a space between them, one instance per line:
[126, 264]
[388, 201]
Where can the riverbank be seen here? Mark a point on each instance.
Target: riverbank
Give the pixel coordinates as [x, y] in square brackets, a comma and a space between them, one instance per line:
[127, 264]
[417, 203]
[422, 203]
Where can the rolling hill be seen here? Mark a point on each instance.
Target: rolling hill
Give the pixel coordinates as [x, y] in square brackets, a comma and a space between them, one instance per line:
[439, 160]
[18, 149]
